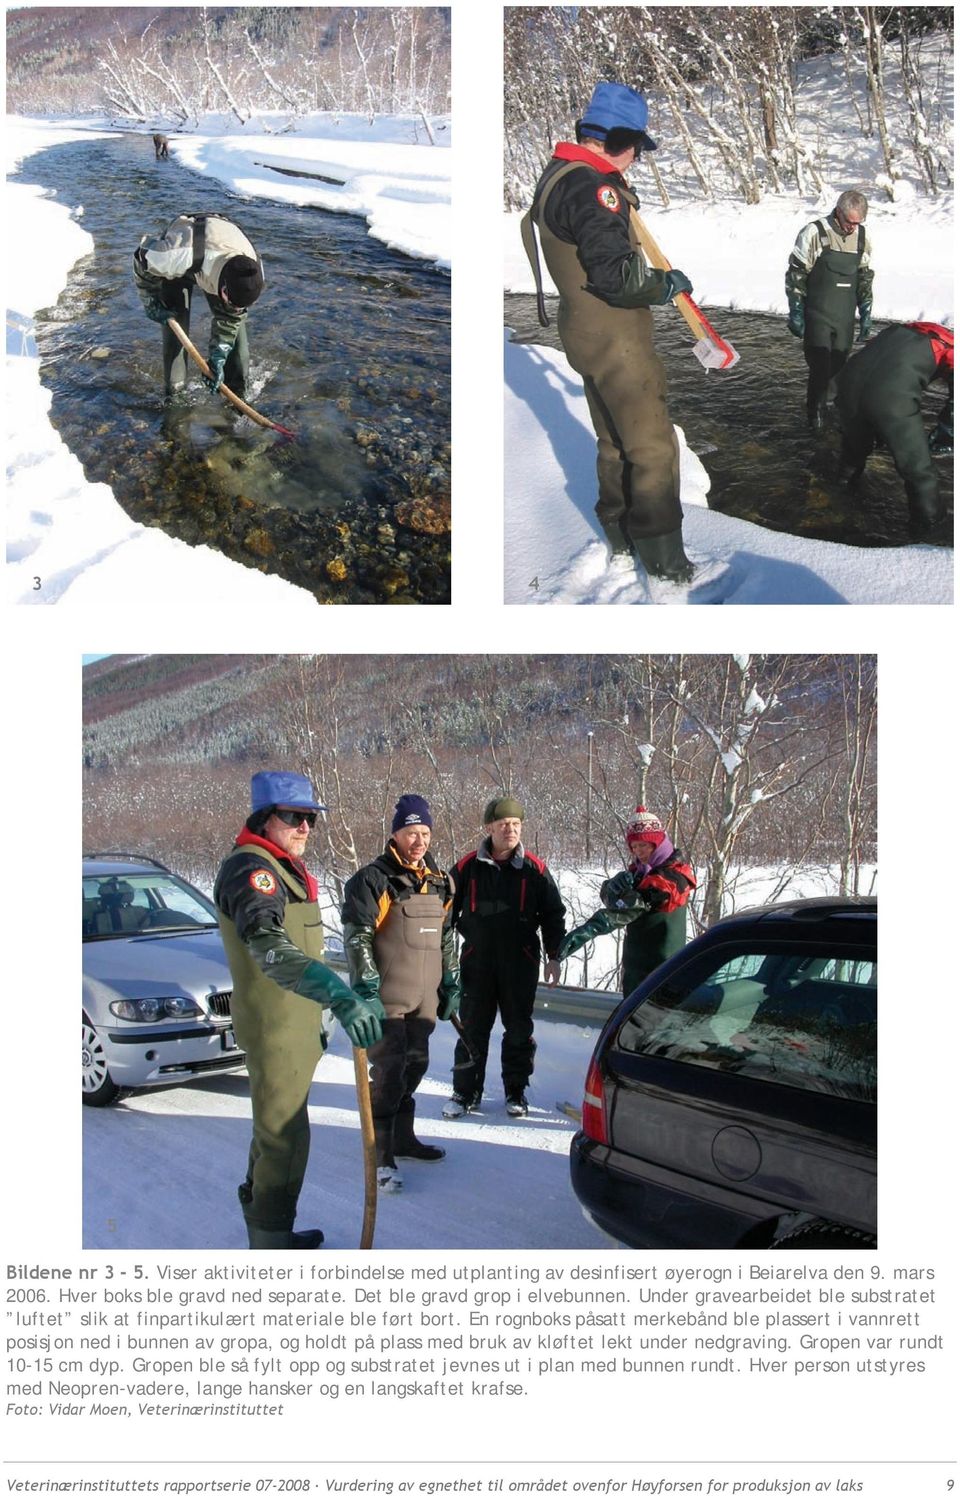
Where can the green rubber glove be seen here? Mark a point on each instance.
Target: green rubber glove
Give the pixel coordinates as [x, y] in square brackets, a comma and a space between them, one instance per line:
[597, 924]
[362, 1018]
[675, 282]
[866, 320]
[449, 992]
[156, 310]
[216, 358]
[619, 892]
[796, 316]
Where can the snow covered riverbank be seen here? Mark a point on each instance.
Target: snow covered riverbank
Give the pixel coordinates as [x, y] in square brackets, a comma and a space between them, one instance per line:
[68, 541]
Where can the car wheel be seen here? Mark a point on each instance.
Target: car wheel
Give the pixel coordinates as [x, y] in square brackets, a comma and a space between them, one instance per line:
[824, 1236]
[98, 1088]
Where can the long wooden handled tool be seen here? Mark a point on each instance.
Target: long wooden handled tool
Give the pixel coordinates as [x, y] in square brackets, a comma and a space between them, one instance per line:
[369, 1148]
[713, 351]
[227, 394]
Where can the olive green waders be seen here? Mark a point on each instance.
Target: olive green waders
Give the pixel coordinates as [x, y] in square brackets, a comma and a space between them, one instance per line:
[280, 1032]
[611, 348]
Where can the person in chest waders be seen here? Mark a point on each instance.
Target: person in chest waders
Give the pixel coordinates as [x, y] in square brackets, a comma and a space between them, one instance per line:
[828, 281]
[401, 949]
[270, 922]
[581, 208]
[879, 398]
[202, 251]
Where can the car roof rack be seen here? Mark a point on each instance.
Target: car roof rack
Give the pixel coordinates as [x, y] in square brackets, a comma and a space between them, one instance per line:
[125, 857]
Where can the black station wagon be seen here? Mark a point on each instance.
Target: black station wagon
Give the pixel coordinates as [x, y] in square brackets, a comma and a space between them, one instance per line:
[731, 1099]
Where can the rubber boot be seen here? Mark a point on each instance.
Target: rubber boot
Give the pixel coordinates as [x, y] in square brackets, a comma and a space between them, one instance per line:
[261, 1238]
[850, 473]
[664, 556]
[407, 1145]
[816, 417]
[389, 1179]
[618, 544]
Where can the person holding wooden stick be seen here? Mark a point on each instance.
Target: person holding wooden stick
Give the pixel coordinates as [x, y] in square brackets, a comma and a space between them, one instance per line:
[202, 251]
[267, 910]
[581, 208]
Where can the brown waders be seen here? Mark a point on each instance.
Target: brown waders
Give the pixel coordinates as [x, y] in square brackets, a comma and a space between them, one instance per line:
[281, 1034]
[407, 951]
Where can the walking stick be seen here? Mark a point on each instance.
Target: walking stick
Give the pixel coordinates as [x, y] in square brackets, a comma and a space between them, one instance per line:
[710, 348]
[369, 1148]
[227, 394]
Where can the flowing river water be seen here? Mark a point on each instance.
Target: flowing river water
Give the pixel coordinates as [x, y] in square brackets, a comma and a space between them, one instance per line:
[349, 347]
[748, 426]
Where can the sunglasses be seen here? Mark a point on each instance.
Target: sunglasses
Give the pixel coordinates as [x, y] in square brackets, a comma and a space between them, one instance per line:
[295, 817]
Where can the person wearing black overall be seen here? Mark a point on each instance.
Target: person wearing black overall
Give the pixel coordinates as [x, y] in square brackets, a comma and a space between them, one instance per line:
[879, 399]
[829, 280]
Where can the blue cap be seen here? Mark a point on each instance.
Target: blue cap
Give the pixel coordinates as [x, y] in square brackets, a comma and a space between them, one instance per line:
[411, 810]
[278, 787]
[614, 106]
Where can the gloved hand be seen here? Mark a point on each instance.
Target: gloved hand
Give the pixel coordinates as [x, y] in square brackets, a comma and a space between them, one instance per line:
[654, 898]
[941, 438]
[866, 321]
[216, 358]
[941, 441]
[795, 317]
[619, 892]
[449, 993]
[362, 1018]
[367, 986]
[156, 310]
[675, 282]
[597, 924]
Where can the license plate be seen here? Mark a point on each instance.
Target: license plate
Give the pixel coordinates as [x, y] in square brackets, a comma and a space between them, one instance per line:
[228, 1039]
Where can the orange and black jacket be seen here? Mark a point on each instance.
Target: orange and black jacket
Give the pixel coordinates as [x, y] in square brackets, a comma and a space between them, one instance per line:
[370, 894]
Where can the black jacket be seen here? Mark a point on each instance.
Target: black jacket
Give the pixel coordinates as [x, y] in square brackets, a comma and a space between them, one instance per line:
[501, 908]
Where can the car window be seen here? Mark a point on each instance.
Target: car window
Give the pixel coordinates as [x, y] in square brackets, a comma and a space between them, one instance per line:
[792, 1018]
[116, 905]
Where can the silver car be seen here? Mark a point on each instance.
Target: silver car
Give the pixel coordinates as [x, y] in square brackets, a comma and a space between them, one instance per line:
[156, 984]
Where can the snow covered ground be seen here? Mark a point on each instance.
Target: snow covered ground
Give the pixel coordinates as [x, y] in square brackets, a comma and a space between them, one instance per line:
[735, 256]
[68, 541]
[160, 1170]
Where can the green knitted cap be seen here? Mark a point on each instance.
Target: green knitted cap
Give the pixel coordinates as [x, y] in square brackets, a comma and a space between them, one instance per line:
[503, 809]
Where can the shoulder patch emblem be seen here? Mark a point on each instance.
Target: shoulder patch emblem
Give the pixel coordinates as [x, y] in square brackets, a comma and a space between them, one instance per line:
[263, 881]
[609, 197]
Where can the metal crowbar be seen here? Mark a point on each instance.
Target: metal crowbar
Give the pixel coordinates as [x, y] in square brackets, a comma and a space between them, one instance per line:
[713, 351]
